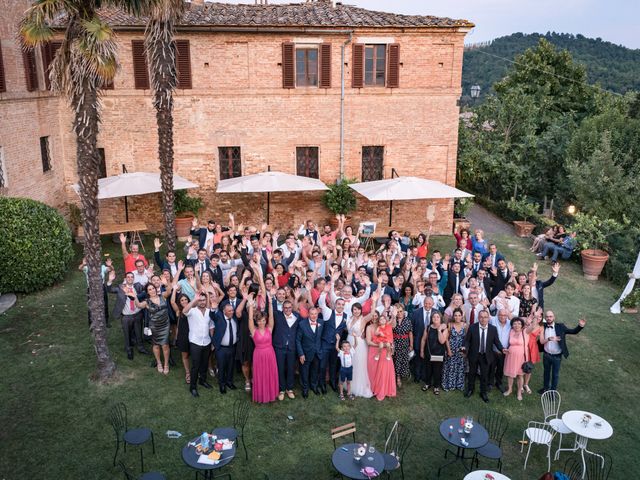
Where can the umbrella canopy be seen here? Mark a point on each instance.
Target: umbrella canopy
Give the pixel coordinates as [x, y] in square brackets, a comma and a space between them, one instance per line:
[136, 183]
[266, 182]
[407, 188]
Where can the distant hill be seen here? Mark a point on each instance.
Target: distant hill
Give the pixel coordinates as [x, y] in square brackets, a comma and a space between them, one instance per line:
[614, 67]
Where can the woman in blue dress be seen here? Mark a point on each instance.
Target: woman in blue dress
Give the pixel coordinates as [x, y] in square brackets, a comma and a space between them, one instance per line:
[453, 372]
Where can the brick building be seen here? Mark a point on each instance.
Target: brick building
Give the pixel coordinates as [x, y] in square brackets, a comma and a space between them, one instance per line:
[260, 85]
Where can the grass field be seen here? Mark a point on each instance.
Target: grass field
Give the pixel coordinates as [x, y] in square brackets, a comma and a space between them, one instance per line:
[54, 419]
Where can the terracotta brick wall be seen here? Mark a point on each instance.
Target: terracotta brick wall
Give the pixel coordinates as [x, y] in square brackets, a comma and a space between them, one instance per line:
[238, 100]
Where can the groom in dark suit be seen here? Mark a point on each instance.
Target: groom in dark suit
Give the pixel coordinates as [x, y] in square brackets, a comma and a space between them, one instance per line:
[308, 345]
[225, 338]
[479, 343]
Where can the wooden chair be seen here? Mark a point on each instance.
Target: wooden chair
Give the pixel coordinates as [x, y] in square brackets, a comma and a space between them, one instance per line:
[343, 431]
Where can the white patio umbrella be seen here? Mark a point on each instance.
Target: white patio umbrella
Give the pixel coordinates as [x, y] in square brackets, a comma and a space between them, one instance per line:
[633, 276]
[135, 183]
[270, 181]
[406, 188]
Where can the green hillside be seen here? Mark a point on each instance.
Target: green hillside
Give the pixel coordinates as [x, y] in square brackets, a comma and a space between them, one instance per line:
[614, 67]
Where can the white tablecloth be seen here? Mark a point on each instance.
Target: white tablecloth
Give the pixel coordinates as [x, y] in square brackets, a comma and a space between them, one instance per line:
[481, 475]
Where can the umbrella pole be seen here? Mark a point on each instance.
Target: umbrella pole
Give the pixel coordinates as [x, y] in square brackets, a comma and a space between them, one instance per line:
[390, 211]
[268, 205]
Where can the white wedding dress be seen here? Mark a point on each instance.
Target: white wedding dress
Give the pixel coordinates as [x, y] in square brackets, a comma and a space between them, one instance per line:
[360, 385]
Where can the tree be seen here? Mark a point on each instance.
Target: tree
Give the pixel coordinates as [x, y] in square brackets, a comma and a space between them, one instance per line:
[161, 55]
[85, 62]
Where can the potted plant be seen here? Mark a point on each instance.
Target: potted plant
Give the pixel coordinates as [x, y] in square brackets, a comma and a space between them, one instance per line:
[461, 207]
[75, 219]
[592, 233]
[523, 209]
[186, 209]
[340, 199]
[631, 302]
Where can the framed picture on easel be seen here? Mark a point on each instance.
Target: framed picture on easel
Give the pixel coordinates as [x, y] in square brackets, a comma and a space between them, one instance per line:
[368, 228]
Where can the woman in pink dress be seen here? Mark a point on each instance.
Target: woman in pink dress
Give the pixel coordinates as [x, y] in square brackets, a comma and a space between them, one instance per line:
[382, 374]
[517, 354]
[265, 368]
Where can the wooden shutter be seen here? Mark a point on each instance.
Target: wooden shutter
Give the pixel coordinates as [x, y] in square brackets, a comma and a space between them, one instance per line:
[30, 70]
[393, 66]
[288, 65]
[357, 70]
[3, 82]
[140, 70]
[183, 63]
[49, 50]
[325, 65]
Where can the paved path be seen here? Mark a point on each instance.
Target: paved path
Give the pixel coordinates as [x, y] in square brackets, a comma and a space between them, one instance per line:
[492, 225]
[6, 302]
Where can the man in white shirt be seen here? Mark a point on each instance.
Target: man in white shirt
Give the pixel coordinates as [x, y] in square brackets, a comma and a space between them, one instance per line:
[200, 332]
[503, 325]
[140, 274]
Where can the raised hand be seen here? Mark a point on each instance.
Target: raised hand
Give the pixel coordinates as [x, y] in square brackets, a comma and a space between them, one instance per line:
[555, 268]
[108, 262]
[582, 322]
[180, 265]
[112, 276]
[189, 239]
[510, 266]
[194, 222]
[263, 228]
[231, 218]
[123, 238]
[534, 267]
[157, 243]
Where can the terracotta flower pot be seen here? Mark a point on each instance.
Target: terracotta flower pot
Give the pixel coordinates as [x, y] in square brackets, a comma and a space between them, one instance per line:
[593, 262]
[523, 229]
[183, 226]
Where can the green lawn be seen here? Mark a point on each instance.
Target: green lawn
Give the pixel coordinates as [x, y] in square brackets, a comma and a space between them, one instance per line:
[54, 418]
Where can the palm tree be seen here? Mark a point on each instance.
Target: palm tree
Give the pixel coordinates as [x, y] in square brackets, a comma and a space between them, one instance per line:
[161, 57]
[85, 62]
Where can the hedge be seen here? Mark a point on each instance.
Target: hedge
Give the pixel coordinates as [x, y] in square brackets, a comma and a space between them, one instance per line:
[35, 245]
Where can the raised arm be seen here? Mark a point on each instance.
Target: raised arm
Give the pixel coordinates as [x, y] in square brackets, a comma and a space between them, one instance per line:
[123, 245]
[270, 322]
[252, 327]
[191, 303]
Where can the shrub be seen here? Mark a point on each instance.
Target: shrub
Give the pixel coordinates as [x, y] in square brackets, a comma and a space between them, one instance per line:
[35, 242]
[340, 198]
[523, 209]
[183, 203]
[594, 232]
[461, 206]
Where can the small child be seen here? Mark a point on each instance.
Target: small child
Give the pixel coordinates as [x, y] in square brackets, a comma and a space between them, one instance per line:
[346, 369]
[383, 337]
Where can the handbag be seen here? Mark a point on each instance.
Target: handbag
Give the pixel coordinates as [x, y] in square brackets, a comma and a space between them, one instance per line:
[433, 358]
[527, 366]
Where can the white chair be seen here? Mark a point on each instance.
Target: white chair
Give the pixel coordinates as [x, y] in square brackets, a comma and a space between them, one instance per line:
[540, 434]
[551, 401]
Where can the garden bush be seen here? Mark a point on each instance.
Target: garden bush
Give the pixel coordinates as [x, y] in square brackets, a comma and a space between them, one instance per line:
[35, 245]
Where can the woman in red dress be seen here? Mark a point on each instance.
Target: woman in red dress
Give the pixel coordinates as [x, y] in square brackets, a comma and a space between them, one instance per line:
[382, 374]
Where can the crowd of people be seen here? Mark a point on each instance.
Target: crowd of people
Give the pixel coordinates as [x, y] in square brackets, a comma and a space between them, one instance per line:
[315, 305]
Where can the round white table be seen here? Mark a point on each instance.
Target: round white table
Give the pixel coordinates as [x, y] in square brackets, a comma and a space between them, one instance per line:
[594, 428]
[482, 475]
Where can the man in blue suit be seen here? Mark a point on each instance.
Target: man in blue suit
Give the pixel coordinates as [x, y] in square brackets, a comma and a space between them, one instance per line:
[225, 339]
[335, 326]
[285, 329]
[308, 346]
[493, 257]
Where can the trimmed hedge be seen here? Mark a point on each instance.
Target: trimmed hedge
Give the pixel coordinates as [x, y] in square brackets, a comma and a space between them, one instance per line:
[35, 245]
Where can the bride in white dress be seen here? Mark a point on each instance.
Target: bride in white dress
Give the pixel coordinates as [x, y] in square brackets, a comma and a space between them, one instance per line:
[360, 386]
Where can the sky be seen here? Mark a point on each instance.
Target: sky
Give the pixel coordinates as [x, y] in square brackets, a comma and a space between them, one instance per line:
[612, 20]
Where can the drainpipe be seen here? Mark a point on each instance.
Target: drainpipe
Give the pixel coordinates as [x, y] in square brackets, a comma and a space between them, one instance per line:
[344, 45]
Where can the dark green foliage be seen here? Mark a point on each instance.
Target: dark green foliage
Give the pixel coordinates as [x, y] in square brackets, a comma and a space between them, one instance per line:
[183, 203]
[340, 198]
[35, 245]
[613, 67]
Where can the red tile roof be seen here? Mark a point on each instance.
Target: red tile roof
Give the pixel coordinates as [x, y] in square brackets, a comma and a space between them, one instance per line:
[316, 14]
